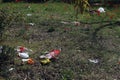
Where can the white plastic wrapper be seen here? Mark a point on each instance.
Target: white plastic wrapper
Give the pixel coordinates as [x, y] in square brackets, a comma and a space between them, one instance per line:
[93, 60]
[11, 69]
[63, 22]
[42, 56]
[101, 9]
[24, 60]
[29, 14]
[49, 56]
[23, 55]
[46, 56]
[32, 24]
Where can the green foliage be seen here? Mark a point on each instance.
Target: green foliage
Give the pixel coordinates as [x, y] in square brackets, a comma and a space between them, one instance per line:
[81, 6]
[7, 55]
[54, 0]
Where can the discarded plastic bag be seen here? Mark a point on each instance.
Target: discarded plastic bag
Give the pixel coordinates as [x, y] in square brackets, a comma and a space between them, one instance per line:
[101, 10]
[23, 55]
[51, 54]
[54, 53]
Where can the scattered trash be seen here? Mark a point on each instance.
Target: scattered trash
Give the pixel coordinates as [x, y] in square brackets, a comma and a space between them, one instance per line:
[42, 56]
[25, 60]
[76, 23]
[31, 24]
[45, 61]
[23, 55]
[29, 14]
[63, 22]
[29, 61]
[22, 49]
[101, 10]
[50, 55]
[11, 69]
[93, 60]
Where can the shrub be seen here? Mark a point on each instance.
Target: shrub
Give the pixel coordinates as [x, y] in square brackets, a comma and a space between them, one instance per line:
[81, 6]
